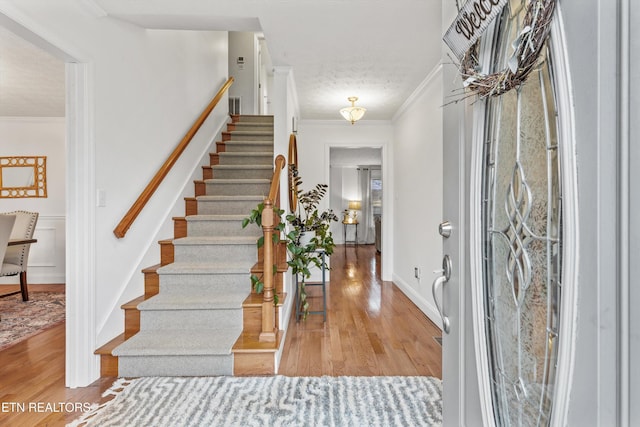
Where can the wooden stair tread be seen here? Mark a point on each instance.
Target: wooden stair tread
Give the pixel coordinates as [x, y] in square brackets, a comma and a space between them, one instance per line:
[109, 346]
[151, 269]
[133, 304]
[255, 300]
[249, 342]
[258, 267]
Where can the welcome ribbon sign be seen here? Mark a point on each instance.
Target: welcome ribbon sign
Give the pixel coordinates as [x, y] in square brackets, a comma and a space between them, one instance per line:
[472, 21]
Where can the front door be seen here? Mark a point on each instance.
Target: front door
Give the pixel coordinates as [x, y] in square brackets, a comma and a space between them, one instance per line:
[533, 199]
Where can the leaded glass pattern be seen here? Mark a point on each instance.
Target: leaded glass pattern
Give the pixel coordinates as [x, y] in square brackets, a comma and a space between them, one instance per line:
[522, 237]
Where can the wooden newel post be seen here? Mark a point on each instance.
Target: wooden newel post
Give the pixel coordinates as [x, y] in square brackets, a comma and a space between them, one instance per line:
[268, 309]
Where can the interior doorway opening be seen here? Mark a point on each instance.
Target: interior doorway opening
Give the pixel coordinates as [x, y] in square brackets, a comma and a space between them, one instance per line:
[356, 194]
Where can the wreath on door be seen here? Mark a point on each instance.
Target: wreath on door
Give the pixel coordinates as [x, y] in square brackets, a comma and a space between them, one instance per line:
[527, 47]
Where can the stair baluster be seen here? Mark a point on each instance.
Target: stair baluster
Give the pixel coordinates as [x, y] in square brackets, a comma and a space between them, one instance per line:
[269, 329]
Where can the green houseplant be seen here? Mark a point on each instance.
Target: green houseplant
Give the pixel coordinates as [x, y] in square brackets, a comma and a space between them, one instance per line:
[309, 235]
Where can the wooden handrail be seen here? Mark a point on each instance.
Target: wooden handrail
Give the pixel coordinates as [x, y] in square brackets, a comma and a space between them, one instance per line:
[131, 215]
[269, 330]
[275, 178]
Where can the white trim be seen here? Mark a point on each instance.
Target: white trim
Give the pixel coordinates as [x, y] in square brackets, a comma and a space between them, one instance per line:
[32, 119]
[625, 213]
[291, 89]
[571, 218]
[475, 262]
[388, 236]
[82, 366]
[386, 269]
[423, 304]
[435, 72]
[285, 316]
[475, 249]
[333, 122]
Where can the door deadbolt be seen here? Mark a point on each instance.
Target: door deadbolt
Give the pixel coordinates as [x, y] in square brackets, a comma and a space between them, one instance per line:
[446, 267]
[445, 229]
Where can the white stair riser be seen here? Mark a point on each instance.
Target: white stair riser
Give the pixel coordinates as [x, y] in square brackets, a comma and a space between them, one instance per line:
[190, 319]
[232, 189]
[175, 366]
[215, 253]
[227, 207]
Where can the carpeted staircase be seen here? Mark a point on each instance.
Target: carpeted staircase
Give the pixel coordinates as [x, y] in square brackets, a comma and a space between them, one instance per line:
[199, 301]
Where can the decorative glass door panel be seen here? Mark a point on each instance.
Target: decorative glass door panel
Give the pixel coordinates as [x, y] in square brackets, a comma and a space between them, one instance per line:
[521, 239]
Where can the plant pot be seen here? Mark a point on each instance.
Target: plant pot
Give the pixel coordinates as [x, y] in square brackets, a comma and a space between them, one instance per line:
[306, 237]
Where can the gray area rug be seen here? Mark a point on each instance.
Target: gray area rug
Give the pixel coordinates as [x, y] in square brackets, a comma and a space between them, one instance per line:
[271, 401]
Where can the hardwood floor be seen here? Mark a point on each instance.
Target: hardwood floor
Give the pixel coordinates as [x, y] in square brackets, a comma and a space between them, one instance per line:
[32, 391]
[372, 328]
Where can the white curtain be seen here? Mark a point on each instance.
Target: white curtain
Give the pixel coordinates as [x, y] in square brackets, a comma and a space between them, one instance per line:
[366, 231]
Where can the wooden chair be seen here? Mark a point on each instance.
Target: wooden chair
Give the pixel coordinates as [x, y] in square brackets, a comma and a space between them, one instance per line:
[16, 257]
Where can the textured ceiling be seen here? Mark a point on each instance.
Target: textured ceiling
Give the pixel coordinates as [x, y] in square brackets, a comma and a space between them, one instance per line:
[31, 80]
[378, 50]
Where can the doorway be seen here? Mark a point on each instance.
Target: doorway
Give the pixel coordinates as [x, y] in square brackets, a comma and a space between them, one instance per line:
[82, 366]
[356, 194]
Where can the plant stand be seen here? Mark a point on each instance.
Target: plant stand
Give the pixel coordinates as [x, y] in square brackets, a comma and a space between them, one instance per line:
[299, 311]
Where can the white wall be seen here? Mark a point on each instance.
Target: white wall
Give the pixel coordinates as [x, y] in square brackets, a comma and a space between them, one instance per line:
[244, 44]
[343, 187]
[40, 136]
[417, 192]
[146, 88]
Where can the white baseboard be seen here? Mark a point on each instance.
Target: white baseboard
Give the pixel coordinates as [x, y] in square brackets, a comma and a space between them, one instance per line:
[285, 316]
[425, 306]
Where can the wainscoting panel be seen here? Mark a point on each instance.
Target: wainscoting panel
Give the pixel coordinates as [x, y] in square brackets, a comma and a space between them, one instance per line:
[47, 256]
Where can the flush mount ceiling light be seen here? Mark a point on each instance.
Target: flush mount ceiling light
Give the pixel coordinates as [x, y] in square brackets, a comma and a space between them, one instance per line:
[353, 113]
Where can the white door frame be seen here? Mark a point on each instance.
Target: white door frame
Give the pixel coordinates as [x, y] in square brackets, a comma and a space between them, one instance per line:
[387, 207]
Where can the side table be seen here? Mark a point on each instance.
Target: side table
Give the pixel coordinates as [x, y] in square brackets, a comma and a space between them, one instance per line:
[344, 228]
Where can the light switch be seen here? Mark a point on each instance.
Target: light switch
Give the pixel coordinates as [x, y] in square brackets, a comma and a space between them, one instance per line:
[101, 198]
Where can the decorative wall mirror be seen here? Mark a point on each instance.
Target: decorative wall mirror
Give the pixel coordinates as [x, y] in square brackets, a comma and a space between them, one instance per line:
[24, 176]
